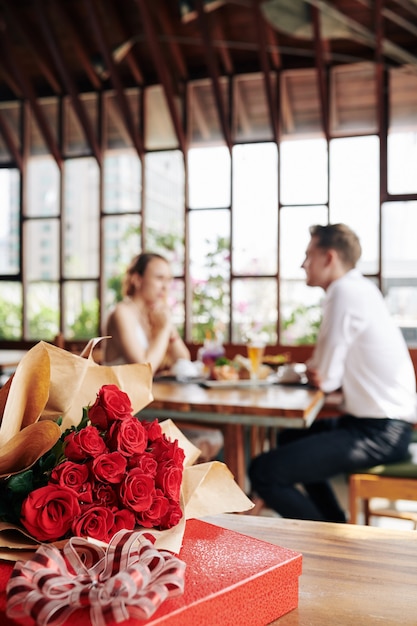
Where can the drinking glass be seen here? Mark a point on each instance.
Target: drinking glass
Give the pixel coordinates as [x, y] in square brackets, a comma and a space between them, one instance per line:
[256, 351]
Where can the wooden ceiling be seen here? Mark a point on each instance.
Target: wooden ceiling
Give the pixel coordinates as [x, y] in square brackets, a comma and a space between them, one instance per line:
[69, 47]
[58, 46]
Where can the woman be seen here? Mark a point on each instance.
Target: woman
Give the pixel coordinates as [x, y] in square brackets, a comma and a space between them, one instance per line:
[140, 327]
[141, 330]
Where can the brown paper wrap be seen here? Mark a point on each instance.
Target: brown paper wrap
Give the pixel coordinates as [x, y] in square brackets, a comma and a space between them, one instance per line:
[50, 382]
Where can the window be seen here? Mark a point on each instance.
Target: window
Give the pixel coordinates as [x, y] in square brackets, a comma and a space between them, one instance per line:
[81, 219]
[210, 272]
[399, 262]
[10, 113]
[165, 202]
[304, 177]
[9, 223]
[354, 193]
[402, 137]
[254, 213]
[234, 223]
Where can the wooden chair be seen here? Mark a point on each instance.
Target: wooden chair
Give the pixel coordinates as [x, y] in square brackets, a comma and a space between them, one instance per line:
[393, 482]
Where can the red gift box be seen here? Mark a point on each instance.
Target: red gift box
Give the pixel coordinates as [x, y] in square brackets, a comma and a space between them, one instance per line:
[230, 579]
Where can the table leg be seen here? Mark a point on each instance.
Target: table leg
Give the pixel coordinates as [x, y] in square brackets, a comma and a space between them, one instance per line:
[234, 452]
[258, 436]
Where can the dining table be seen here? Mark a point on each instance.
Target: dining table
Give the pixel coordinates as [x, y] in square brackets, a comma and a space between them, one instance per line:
[10, 359]
[351, 574]
[233, 408]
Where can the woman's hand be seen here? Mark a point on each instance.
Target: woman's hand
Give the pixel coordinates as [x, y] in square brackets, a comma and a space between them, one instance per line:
[160, 319]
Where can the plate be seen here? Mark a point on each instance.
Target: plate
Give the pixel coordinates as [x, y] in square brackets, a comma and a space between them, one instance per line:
[238, 384]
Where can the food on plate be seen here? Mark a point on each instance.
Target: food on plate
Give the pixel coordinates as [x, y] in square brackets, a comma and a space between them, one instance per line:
[225, 372]
[275, 360]
[237, 368]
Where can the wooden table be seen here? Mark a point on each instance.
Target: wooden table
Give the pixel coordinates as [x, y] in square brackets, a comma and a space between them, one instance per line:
[352, 575]
[10, 359]
[233, 408]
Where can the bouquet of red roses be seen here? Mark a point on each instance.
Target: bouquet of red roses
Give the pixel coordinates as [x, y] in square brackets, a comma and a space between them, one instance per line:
[112, 471]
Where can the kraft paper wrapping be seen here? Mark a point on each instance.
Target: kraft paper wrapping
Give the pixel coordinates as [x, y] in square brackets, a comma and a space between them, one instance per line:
[50, 382]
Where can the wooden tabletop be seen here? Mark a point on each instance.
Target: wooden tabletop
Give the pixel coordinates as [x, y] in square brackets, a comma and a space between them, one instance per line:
[352, 575]
[269, 405]
[232, 409]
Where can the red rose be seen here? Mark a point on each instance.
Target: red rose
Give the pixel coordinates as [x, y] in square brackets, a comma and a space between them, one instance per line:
[153, 429]
[97, 416]
[152, 517]
[70, 474]
[48, 512]
[109, 467]
[105, 495]
[169, 478]
[164, 450]
[95, 522]
[74, 476]
[83, 445]
[146, 462]
[123, 519]
[137, 490]
[172, 517]
[111, 404]
[128, 437]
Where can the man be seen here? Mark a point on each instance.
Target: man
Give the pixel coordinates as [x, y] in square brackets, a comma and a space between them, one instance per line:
[360, 351]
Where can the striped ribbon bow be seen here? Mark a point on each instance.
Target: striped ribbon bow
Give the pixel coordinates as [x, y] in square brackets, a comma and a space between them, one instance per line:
[127, 579]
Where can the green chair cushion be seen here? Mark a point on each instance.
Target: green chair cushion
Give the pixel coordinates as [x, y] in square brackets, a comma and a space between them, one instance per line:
[404, 469]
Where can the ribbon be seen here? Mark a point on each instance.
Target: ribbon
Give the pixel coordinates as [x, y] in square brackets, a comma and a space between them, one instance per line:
[127, 579]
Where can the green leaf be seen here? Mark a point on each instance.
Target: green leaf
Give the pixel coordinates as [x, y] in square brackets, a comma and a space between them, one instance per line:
[21, 483]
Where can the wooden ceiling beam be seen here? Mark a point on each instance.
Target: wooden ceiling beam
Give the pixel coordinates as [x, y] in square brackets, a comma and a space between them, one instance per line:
[211, 61]
[114, 10]
[321, 72]
[10, 142]
[23, 30]
[227, 61]
[30, 95]
[408, 5]
[273, 45]
[115, 78]
[162, 71]
[379, 30]
[394, 17]
[134, 68]
[266, 70]
[68, 81]
[169, 29]
[11, 82]
[67, 17]
[364, 36]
